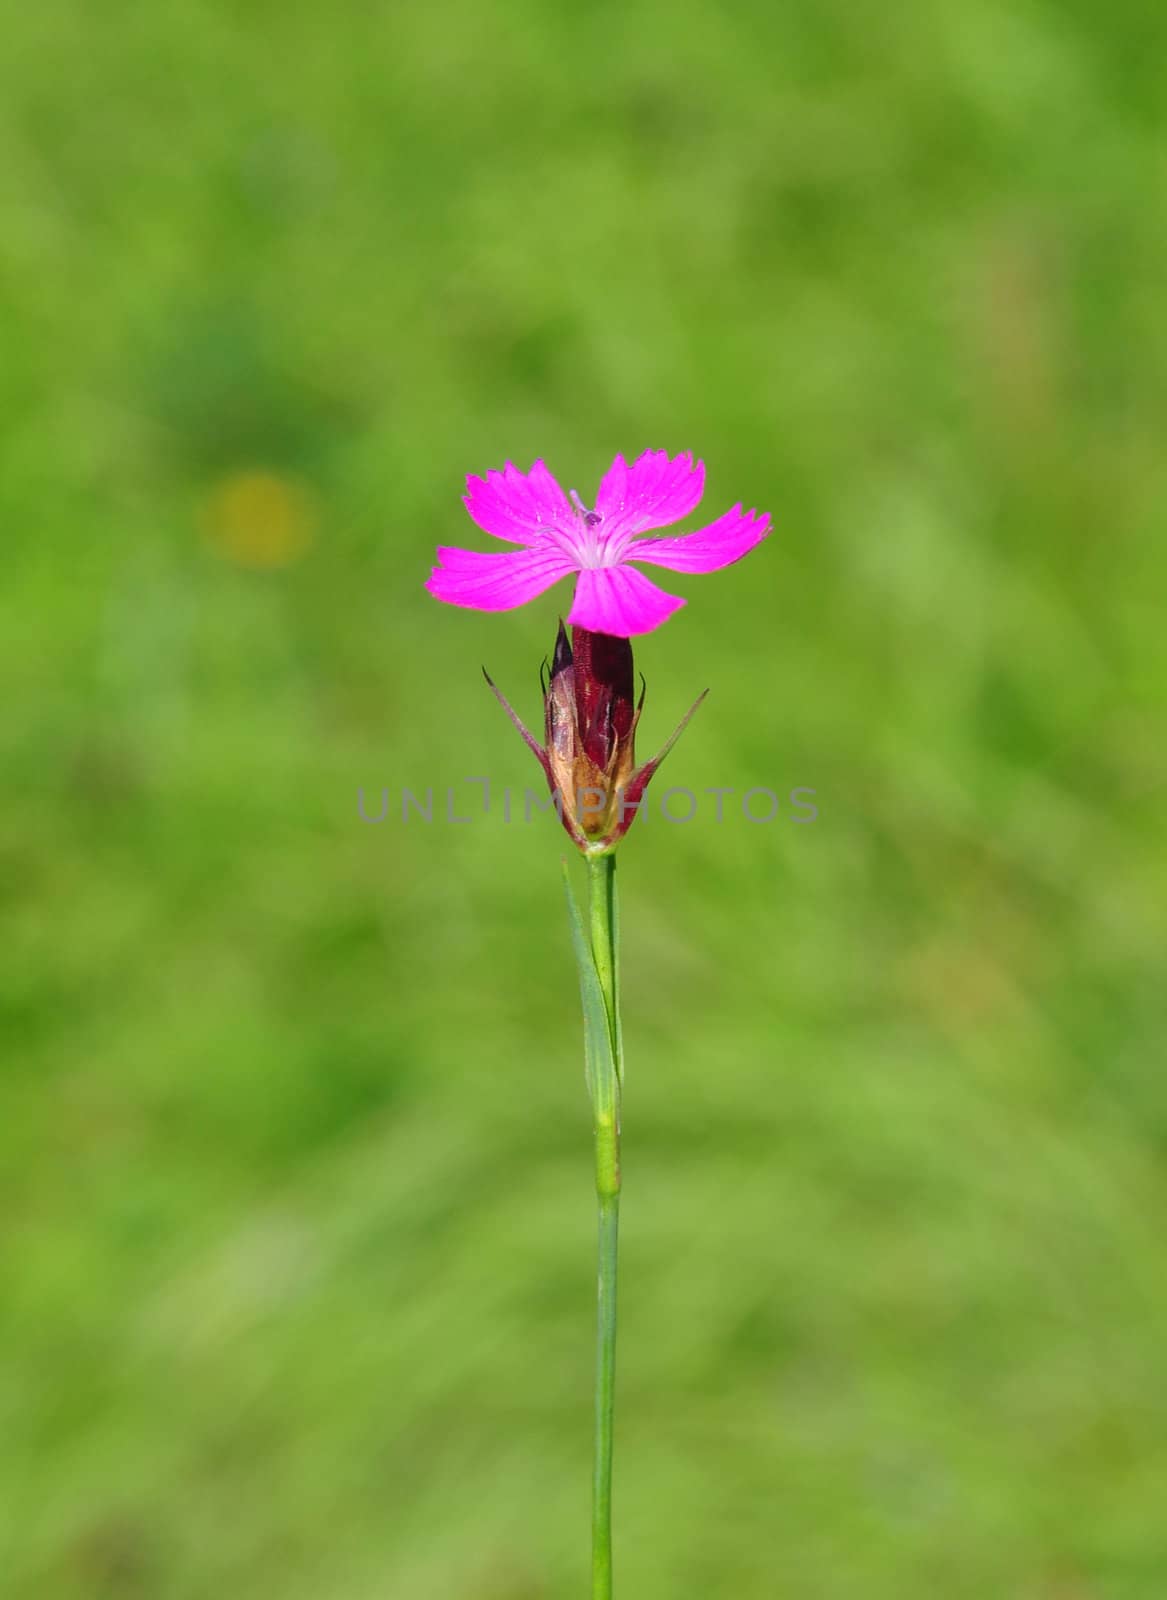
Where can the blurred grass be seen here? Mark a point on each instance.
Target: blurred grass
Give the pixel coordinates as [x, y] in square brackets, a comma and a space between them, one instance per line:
[297, 1234]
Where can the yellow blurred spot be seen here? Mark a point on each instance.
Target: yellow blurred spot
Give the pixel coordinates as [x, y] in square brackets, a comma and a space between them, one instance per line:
[260, 519]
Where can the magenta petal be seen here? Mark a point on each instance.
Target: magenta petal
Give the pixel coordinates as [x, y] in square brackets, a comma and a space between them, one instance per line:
[654, 491]
[495, 582]
[719, 545]
[620, 601]
[519, 506]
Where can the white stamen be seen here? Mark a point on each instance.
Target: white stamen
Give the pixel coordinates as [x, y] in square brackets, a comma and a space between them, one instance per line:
[593, 544]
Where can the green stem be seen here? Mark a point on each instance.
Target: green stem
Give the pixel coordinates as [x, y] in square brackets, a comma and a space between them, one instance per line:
[605, 1395]
[603, 931]
[602, 914]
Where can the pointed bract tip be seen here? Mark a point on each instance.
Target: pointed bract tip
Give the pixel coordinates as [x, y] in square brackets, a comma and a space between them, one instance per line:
[562, 658]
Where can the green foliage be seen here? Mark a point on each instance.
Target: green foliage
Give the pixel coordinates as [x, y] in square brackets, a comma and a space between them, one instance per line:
[298, 1269]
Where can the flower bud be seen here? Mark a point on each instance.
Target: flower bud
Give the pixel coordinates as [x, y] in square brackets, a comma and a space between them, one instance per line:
[590, 719]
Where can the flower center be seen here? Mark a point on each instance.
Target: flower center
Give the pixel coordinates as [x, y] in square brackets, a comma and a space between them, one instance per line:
[592, 545]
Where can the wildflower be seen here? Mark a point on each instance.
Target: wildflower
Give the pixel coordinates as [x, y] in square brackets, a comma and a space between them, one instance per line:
[590, 718]
[589, 760]
[560, 536]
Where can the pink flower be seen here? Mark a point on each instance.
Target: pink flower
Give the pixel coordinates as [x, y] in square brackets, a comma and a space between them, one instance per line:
[559, 536]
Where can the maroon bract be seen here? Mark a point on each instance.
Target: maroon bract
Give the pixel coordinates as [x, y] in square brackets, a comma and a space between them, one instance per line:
[590, 718]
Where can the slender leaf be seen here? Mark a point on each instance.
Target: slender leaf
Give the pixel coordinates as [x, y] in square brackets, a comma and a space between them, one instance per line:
[599, 1063]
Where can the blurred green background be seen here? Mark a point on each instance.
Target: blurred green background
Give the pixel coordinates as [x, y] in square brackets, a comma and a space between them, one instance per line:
[297, 1269]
